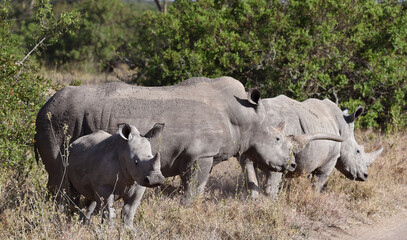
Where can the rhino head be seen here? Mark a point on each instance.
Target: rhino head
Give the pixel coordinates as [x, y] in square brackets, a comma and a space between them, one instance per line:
[354, 161]
[267, 145]
[272, 147]
[137, 158]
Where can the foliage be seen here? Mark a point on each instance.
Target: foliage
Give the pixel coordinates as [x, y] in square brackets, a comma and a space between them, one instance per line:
[104, 30]
[22, 92]
[21, 95]
[353, 52]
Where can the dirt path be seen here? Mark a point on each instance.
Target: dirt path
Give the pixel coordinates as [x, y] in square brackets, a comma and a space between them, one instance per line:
[389, 228]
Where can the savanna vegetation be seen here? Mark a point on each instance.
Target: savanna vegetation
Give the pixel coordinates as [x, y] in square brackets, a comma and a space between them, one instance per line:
[353, 52]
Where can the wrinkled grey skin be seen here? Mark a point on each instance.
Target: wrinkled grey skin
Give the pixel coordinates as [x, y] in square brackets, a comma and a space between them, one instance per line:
[318, 157]
[207, 121]
[104, 167]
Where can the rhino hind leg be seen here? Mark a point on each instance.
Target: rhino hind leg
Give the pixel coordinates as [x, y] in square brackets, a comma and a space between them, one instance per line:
[195, 179]
[321, 174]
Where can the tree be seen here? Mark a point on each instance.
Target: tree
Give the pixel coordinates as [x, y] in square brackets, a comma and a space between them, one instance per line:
[353, 52]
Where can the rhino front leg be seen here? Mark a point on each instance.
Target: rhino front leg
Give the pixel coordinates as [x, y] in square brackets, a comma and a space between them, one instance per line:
[251, 176]
[110, 209]
[273, 181]
[195, 179]
[131, 203]
[90, 209]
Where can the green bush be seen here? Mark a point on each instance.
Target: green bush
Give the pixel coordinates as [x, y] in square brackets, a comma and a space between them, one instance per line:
[353, 52]
[21, 96]
[22, 91]
[103, 32]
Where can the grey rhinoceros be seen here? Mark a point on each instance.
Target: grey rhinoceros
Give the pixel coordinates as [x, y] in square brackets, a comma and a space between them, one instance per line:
[104, 167]
[318, 157]
[207, 121]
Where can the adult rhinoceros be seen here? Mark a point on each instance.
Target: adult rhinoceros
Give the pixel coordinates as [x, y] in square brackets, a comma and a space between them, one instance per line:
[207, 120]
[318, 157]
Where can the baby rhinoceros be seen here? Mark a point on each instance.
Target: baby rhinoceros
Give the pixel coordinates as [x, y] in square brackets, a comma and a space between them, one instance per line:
[104, 168]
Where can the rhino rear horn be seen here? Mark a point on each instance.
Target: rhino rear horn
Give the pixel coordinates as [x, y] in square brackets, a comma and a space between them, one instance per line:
[157, 162]
[300, 141]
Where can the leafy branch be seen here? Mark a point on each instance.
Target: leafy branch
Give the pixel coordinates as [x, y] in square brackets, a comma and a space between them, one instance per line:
[51, 25]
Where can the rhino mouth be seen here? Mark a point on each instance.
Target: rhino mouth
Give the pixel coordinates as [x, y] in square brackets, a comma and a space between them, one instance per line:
[288, 167]
[362, 177]
[357, 177]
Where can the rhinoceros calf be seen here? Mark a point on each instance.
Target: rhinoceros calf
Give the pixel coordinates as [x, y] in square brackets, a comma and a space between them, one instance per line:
[105, 166]
[207, 121]
[318, 157]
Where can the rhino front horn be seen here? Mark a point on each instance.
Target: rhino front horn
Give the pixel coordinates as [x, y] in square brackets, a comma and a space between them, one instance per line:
[301, 141]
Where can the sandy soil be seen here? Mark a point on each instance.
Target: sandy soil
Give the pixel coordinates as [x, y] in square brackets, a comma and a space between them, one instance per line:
[386, 228]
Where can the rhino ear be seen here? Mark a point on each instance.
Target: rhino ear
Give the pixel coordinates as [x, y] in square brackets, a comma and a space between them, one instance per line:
[254, 96]
[155, 131]
[351, 118]
[125, 131]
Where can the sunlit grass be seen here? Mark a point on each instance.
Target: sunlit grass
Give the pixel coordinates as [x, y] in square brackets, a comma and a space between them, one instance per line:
[225, 211]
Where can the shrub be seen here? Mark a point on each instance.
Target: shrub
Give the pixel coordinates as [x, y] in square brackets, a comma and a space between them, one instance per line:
[353, 52]
[21, 95]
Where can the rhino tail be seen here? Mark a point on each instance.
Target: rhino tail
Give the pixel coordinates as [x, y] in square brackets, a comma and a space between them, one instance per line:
[37, 158]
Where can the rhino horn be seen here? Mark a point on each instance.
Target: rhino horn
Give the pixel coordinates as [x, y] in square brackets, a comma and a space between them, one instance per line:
[157, 162]
[281, 127]
[300, 141]
[372, 156]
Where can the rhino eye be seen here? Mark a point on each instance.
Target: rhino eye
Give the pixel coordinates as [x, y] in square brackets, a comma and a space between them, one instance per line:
[277, 139]
[358, 151]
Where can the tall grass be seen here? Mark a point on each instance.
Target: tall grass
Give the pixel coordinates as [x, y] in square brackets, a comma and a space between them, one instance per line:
[225, 211]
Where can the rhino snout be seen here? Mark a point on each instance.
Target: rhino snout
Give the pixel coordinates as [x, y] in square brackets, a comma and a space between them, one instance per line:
[291, 167]
[362, 177]
[154, 180]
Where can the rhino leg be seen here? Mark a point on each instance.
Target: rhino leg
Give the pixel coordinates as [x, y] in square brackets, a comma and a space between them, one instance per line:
[251, 176]
[273, 181]
[322, 174]
[131, 203]
[90, 209]
[195, 179]
[110, 208]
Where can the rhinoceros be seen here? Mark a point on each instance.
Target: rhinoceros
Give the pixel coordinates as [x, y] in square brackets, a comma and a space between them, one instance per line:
[318, 157]
[207, 121]
[105, 166]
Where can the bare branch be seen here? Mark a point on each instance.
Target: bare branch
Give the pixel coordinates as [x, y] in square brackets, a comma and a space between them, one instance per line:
[32, 50]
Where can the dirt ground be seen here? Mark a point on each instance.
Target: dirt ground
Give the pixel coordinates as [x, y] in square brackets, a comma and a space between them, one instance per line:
[386, 228]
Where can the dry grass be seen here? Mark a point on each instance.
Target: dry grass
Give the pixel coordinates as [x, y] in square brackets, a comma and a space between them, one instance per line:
[225, 211]
[85, 78]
